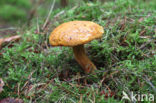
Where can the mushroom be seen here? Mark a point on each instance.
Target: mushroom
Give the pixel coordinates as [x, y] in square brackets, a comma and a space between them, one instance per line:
[75, 34]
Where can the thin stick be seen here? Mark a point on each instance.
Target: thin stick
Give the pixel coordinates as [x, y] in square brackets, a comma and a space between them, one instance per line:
[144, 45]
[150, 83]
[10, 28]
[38, 28]
[47, 19]
[58, 14]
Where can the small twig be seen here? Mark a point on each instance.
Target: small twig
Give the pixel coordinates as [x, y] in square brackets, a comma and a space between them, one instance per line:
[68, 91]
[18, 89]
[27, 82]
[38, 27]
[47, 19]
[33, 11]
[150, 83]
[81, 97]
[10, 28]
[144, 45]
[71, 9]
[48, 84]
[60, 13]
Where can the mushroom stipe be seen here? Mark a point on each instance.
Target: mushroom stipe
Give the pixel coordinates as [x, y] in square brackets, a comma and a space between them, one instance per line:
[83, 60]
[75, 34]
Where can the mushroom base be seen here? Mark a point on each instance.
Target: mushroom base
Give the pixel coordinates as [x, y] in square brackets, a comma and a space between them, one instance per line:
[83, 60]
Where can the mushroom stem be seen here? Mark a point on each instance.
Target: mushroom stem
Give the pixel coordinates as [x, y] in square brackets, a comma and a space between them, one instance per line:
[82, 59]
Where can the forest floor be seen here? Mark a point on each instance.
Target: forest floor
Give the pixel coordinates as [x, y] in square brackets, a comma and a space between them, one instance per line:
[125, 56]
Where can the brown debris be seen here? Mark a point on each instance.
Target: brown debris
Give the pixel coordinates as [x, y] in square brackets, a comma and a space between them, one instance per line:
[1, 85]
[140, 20]
[123, 24]
[9, 39]
[142, 32]
[11, 100]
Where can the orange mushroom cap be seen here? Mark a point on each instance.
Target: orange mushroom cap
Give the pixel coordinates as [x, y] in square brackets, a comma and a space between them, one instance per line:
[75, 33]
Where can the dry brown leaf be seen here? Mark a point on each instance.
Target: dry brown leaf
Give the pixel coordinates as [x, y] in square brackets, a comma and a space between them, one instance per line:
[1, 85]
[12, 38]
[9, 39]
